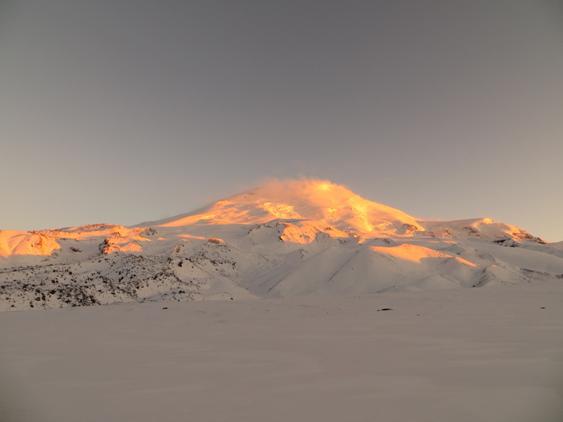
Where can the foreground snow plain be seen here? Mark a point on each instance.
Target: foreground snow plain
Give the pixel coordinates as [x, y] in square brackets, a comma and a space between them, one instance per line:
[483, 354]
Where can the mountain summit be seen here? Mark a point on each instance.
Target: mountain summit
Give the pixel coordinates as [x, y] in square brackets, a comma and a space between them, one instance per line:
[319, 202]
[282, 238]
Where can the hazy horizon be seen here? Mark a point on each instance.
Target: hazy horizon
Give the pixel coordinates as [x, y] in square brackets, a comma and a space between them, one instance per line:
[130, 111]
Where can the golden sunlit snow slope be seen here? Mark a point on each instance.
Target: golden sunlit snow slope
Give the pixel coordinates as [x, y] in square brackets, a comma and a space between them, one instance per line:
[283, 238]
[320, 203]
[305, 207]
[117, 238]
[13, 242]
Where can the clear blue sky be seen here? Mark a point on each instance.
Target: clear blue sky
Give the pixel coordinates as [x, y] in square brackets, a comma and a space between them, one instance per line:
[123, 111]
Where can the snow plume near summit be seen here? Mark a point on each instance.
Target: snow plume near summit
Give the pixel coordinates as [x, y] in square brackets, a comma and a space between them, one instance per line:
[319, 202]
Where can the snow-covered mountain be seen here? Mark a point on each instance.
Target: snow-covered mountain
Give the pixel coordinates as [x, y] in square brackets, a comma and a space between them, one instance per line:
[283, 238]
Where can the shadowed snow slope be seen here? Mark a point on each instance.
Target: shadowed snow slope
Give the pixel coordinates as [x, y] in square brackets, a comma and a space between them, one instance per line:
[283, 238]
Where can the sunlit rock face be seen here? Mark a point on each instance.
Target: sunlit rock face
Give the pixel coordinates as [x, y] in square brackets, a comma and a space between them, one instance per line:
[318, 204]
[14, 242]
[112, 238]
[485, 228]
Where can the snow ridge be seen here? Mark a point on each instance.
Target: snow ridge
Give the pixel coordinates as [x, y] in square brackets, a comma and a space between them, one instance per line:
[283, 238]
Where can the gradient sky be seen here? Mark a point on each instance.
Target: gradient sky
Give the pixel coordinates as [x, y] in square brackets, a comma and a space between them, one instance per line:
[124, 111]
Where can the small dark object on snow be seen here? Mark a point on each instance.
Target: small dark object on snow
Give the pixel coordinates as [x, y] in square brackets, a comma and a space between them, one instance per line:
[385, 309]
[165, 307]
